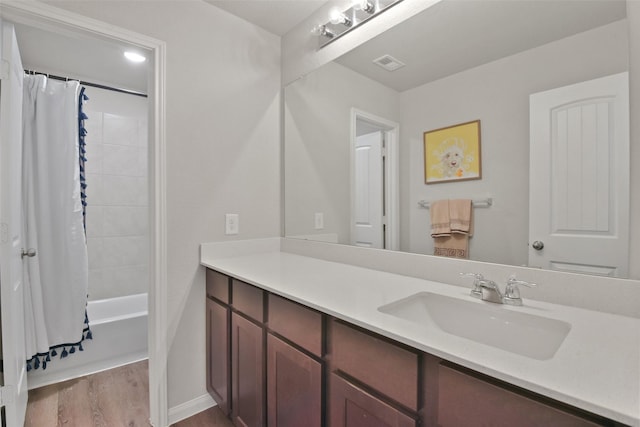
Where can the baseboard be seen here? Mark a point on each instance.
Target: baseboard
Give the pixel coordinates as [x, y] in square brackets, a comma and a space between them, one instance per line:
[53, 375]
[190, 408]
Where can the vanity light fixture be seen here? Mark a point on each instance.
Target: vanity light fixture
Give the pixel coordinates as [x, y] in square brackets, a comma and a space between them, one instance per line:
[337, 17]
[322, 30]
[134, 57]
[342, 21]
[365, 5]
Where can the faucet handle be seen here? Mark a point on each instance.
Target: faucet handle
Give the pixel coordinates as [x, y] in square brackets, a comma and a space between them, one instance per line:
[478, 278]
[512, 292]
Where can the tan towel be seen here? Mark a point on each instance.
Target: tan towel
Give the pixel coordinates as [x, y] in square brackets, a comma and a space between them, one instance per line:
[461, 216]
[451, 227]
[454, 246]
[440, 220]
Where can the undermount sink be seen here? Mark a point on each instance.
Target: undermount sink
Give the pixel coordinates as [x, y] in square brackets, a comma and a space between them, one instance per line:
[495, 325]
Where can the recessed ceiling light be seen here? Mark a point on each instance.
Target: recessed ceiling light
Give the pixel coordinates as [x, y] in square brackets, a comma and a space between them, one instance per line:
[134, 57]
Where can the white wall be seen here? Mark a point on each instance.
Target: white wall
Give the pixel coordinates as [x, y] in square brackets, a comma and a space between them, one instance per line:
[117, 194]
[633, 16]
[223, 142]
[316, 150]
[498, 94]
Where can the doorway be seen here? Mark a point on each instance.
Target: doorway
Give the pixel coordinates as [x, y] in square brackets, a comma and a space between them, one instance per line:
[374, 181]
[49, 18]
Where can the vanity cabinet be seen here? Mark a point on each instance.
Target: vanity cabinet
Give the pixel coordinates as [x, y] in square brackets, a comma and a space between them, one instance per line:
[294, 386]
[218, 339]
[352, 406]
[247, 368]
[294, 364]
[374, 382]
[247, 355]
[277, 363]
[470, 399]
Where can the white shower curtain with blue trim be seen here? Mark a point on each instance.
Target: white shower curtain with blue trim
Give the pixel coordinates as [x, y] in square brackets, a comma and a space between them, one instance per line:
[56, 279]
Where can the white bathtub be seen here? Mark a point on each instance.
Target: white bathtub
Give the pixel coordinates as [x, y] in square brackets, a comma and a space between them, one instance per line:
[119, 329]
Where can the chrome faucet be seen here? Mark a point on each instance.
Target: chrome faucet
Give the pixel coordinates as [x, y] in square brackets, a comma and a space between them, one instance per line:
[491, 291]
[488, 290]
[512, 292]
[477, 278]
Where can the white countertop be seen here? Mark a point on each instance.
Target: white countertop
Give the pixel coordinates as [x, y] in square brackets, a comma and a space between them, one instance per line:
[597, 367]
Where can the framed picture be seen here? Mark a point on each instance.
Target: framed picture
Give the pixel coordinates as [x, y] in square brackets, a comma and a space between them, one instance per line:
[452, 153]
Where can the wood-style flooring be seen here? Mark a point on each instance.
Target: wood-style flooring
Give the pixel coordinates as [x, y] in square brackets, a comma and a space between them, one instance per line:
[212, 417]
[115, 398]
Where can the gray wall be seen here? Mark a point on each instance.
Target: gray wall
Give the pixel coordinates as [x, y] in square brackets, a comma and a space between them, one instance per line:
[316, 150]
[497, 93]
[223, 145]
[633, 16]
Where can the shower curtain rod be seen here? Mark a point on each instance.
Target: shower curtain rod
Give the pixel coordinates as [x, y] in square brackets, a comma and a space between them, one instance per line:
[85, 83]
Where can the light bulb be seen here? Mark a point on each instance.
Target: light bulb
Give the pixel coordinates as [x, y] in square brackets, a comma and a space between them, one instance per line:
[364, 5]
[337, 17]
[134, 57]
[322, 30]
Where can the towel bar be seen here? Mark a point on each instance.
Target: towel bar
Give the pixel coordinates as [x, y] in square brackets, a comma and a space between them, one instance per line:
[480, 203]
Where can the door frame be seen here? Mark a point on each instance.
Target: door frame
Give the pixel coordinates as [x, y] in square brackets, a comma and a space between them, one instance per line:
[391, 173]
[51, 18]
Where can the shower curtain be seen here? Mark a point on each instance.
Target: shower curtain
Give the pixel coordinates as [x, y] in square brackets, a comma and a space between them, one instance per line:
[56, 279]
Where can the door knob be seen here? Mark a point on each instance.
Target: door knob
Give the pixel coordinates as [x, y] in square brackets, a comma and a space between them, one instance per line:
[537, 245]
[29, 253]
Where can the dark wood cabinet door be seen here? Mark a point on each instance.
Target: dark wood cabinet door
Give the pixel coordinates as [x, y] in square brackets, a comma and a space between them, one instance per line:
[218, 379]
[247, 367]
[294, 386]
[380, 364]
[465, 400]
[350, 406]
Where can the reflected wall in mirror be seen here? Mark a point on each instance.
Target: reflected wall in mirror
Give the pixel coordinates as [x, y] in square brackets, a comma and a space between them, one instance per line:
[465, 61]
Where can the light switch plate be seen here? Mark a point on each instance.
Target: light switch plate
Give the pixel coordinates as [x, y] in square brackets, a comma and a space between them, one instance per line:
[232, 224]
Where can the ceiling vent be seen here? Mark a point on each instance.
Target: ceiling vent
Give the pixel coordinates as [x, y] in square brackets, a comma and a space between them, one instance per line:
[389, 63]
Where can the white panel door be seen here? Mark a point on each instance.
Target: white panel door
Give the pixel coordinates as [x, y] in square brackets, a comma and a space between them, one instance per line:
[14, 395]
[368, 204]
[579, 177]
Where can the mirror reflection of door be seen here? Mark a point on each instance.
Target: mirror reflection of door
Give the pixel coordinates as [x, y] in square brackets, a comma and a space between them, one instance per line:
[369, 191]
[374, 181]
[579, 178]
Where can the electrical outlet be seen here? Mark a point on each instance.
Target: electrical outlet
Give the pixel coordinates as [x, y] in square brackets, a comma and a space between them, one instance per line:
[232, 224]
[319, 221]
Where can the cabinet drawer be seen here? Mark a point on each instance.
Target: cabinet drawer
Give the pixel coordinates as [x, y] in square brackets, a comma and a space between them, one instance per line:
[388, 368]
[466, 400]
[218, 285]
[349, 406]
[248, 300]
[297, 323]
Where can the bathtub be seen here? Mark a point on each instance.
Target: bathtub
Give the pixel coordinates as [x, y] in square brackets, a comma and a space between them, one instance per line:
[119, 329]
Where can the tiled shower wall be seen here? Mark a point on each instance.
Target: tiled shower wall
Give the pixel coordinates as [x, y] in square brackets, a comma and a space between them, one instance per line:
[117, 194]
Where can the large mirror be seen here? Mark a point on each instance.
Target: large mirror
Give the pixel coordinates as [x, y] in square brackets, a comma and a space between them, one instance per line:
[457, 62]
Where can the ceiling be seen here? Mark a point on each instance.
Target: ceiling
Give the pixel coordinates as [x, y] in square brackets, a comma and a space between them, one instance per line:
[275, 16]
[66, 54]
[484, 31]
[454, 35]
